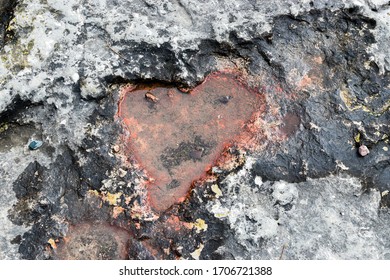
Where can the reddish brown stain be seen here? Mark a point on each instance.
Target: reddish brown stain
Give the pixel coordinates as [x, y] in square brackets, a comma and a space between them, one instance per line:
[290, 124]
[94, 241]
[178, 136]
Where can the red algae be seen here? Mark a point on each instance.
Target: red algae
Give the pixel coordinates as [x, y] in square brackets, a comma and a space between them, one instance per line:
[177, 136]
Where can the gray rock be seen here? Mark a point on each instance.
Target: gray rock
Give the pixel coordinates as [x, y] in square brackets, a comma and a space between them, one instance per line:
[328, 218]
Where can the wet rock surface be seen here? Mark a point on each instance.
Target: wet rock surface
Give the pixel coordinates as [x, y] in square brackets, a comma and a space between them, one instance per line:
[176, 135]
[299, 188]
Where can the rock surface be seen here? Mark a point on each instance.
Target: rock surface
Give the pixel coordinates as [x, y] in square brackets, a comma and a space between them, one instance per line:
[297, 189]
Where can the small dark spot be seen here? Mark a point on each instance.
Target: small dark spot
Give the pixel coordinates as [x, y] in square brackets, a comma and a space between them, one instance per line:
[173, 184]
[197, 153]
[353, 10]
[287, 207]
[17, 239]
[225, 99]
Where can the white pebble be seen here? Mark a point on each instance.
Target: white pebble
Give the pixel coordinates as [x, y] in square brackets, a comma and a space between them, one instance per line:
[363, 150]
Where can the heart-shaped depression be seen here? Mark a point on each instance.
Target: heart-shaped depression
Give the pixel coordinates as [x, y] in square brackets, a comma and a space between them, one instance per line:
[177, 136]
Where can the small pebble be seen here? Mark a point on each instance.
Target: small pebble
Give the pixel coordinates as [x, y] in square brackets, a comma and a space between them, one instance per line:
[225, 99]
[216, 170]
[122, 173]
[115, 148]
[363, 150]
[35, 144]
[151, 97]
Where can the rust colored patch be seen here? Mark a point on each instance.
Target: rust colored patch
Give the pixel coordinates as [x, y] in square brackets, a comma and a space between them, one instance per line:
[291, 124]
[94, 241]
[177, 137]
[305, 82]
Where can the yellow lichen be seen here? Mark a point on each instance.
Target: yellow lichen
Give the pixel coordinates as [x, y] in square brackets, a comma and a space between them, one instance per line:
[221, 215]
[116, 211]
[200, 225]
[93, 192]
[3, 127]
[112, 198]
[348, 100]
[353, 104]
[357, 138]
[16, 59]
[52, 243]
[216, 190]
